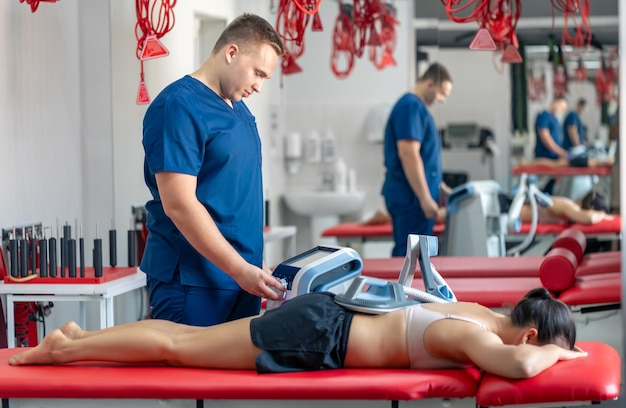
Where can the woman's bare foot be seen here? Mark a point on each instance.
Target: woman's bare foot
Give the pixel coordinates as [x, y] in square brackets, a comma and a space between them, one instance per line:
[379, 217]
[597, 216]
[607, 217]
[43, 353]
[72, 330]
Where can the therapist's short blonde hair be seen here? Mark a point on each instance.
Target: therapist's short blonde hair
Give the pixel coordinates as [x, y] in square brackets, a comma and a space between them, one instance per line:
[248, 31]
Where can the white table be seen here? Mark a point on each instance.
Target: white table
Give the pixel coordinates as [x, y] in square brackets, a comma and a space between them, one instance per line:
[287, 232]
[103, 293]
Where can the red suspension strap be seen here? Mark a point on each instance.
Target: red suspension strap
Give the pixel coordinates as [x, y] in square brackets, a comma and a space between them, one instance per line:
[382, 55]
[497, 20]
[343, 48]
[361, 24]
[456, 10]
[607, 79]
[537, 87]
[501, 21]
[582, 29]
[581, 72]
[153, 22]
[35, 3]
[291, 22]
[309, 7]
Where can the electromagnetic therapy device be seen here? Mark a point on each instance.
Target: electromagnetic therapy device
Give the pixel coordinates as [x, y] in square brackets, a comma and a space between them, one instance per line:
[377, 296]
[324, 268]
[338, 270]
[481, 208]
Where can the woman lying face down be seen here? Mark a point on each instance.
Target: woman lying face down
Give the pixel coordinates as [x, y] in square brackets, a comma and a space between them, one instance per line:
[312, 332]
[592, 209]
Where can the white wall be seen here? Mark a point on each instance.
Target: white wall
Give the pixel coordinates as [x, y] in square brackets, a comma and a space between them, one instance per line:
[54, 123]
[316, 99]
[40, 110]
[481, 93]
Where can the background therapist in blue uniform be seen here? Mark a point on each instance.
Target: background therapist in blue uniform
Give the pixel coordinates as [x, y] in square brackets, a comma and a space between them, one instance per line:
[573, 128]
[412, 151]
[203, 255]
[548, 131]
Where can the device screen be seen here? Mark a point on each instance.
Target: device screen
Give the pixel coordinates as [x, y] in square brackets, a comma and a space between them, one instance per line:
[308, 258]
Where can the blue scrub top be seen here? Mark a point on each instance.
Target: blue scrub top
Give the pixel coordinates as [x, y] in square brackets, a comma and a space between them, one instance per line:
[546, 120]
[189, 129]
[572, 119]
[410, 119]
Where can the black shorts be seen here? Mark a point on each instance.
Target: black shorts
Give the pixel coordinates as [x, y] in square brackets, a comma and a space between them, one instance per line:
[580, 160]
[306, 333]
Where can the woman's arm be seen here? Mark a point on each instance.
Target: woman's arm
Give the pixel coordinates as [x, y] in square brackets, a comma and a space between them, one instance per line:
[487, 351]
[178, 195]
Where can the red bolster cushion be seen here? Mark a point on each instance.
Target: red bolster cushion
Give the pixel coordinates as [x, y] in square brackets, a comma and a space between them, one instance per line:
[574, 240]
[558, 270]
[596, 378]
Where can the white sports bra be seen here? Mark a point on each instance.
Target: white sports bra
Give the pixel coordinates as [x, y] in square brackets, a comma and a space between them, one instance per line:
[418, 319]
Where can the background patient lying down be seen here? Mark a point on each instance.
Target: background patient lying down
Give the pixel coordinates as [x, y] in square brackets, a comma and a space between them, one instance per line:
[593, 208]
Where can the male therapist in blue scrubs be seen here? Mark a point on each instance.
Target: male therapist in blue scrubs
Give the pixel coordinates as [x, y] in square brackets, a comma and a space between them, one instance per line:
[573, 129]
[548, 131]
[548, 136]
[203, 255]
[412, 149]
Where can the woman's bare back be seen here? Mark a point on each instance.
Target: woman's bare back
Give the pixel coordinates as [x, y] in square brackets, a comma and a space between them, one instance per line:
[381, 340]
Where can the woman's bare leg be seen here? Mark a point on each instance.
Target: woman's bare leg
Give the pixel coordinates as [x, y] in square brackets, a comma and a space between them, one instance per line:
[544, 161]
[73, 331]
[225, 346]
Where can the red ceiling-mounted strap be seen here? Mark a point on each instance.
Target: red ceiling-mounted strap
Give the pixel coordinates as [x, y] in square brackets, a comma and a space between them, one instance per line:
[153, 48]
[343, 51]
[382, 55]
[607, 79]
[581, 72]
[578, 12]
[537, 87]
[363, 24]
[511, 55]
[35, 3]
[142, 93]
[497, 20]
[155, 18]
[292, 19]
[483, 41]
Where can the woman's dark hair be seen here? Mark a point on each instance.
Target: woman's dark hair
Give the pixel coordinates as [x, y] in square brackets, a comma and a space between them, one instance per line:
[596, 201]
[551, 317]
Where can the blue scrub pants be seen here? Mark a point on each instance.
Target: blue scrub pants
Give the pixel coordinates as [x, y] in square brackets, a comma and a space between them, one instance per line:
[198, 306]
[407, 218]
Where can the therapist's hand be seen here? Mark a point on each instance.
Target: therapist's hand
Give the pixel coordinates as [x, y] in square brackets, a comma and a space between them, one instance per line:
[429, 206]
[259, 283]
